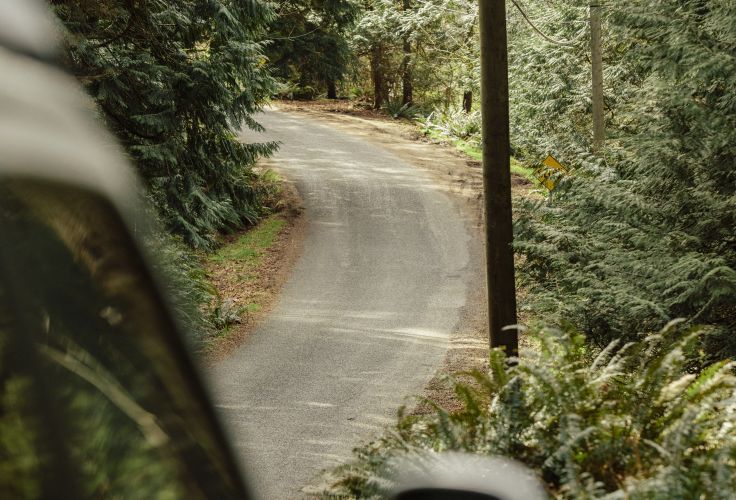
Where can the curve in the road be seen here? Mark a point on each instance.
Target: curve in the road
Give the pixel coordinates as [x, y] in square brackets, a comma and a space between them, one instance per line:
[363, 322]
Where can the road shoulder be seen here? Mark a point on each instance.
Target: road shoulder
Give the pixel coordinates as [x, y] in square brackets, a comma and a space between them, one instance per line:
[251, 287]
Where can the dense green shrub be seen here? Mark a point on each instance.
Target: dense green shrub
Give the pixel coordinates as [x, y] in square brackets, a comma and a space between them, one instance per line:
[196, 302]
[173, 80]
[628, 421]
[647, 232]
[396, 109]
[550, 83]
[186, 285]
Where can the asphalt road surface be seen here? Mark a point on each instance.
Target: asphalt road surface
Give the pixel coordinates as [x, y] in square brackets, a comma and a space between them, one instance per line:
[363, 322]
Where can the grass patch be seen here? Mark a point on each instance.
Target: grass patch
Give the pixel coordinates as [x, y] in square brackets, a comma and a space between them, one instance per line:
[519, 168]
[248, 247]
[471, 150]
[253, 307]
[476, 153]
[235, 273]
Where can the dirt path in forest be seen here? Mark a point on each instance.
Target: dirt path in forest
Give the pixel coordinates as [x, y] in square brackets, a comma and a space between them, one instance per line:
[462, 177]
[387, 272]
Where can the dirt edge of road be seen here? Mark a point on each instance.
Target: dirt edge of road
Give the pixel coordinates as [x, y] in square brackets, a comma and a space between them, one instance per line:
[270, 275]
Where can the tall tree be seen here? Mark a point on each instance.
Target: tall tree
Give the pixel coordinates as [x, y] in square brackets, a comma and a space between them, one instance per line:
[173, 79]
[417, 47]
[407, 77]
[596, 58]
[309, 47]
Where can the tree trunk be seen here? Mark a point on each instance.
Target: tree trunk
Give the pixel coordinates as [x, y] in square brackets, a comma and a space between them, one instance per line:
[599, 126]
[467, 100]
[377, 77]
[406, 76]
[406, 73]
[331, 89]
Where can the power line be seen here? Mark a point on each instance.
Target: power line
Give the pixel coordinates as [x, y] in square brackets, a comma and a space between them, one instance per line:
[549, 39]
[295, 36]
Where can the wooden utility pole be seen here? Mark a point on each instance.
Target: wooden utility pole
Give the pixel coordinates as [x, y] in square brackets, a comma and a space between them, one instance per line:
[406, 70]
[599, 126]
[497, 176]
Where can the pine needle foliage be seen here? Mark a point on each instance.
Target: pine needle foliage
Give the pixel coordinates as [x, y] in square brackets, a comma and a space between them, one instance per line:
[173, 80]
[646, 232]
[628, 421]
[188, 289]
[549, 83]
[309, 49]
[433, 41]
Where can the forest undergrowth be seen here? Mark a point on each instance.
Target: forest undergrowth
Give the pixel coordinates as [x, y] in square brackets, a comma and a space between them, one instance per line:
[629, 421]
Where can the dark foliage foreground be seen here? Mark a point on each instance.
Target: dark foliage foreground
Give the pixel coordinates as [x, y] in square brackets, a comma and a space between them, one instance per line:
[629, 421]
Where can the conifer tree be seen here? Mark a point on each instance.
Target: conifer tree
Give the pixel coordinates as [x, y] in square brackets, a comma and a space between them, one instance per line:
[422, 47]
[174, 80]
[647, 233]
[309, 49]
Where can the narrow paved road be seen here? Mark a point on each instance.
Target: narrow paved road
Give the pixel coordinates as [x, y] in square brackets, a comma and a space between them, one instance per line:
[364, 320]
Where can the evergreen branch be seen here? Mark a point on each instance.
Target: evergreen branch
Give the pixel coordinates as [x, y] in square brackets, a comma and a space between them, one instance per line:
[125, 30]
[550, 40]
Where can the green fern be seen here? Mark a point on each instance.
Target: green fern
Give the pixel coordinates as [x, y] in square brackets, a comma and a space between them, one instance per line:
[628, 421]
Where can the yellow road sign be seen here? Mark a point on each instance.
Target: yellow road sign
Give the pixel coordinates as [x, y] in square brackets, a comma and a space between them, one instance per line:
[552, 162]
[547, 172]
